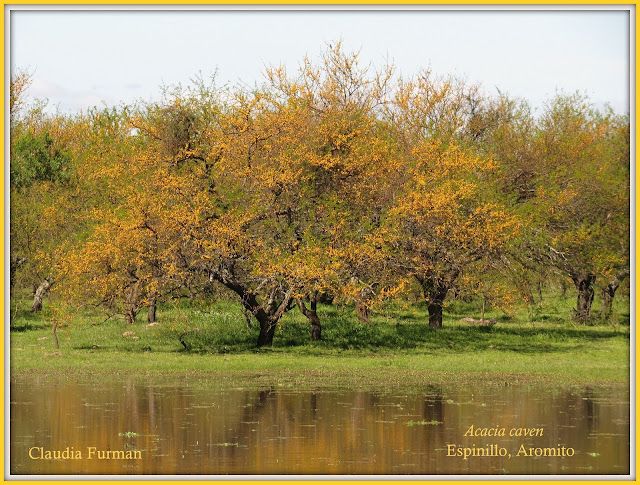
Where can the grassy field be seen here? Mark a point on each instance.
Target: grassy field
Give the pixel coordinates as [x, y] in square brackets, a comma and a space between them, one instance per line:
[398, 348]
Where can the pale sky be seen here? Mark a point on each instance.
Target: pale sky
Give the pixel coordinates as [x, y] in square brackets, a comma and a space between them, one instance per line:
[81, 59]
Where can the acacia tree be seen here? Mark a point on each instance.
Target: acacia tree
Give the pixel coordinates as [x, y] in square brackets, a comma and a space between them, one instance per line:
[105, 177]
[184, 210]
[447, 214]
[566, 177]
[582, 193]
[618, 268]
[507, 136]
[136, 164]
[340, 150]
[303, 159]
[444, 222]
[43, 217]
[608, 292]
[336, 179]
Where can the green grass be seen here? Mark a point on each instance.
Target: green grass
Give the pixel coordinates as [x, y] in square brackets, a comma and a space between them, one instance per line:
[397, 349]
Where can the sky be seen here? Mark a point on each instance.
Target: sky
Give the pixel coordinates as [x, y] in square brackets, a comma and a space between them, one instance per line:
[85, 58]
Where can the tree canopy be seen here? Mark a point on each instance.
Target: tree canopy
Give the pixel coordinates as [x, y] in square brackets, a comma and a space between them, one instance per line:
[340, 180]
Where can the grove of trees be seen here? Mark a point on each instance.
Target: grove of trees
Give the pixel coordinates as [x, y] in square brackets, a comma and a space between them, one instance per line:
[337, 181]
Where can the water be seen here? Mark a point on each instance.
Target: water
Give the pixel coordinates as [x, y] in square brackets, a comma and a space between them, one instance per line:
[196, 429]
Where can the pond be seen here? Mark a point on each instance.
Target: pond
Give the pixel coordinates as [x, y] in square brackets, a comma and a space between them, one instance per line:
[132, 426]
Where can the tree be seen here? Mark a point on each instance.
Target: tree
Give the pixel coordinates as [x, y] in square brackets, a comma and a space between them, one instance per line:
[582, 193]
[508, 134]
[127, 259]
[445, 220]
[182, 212]
[40, 173]
[609, 291]
[447, 213]
[20, 82]
[339, 149]
[336, 179]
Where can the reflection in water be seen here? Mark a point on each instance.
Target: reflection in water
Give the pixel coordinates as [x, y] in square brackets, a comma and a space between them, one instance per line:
[195, 430]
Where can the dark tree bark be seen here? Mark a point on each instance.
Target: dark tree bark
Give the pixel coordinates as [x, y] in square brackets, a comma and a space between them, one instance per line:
[130, 316]
[539, 287]
[39, 294]
[312, 315]
[435, 307]
[326, 298]
[609, 291]
[131, 293]
[151, 314]
[268, 317]
[584, 285]
[606, 298]
[267, 331]
[362, 311]
[363, 302]
[435, 291]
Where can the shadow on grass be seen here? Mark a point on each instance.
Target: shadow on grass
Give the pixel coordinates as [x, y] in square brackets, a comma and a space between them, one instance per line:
[23, 327]
[24, 319]
[212, 340]
[26, 326]
[343, 335]
[401, 330]
[90, 347]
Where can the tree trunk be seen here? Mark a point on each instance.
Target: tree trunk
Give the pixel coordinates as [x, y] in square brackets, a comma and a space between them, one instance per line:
[584, 285]
[362, 311]
[268, 322]
[434, 292]
[55, 335]
[435, 304]
[363, 302]
[326, 298]
[609, 291]
[563, 287]
[39, 294]
[539, 286]
[131, 303]
[312, 315]
[267, 317]
[435, 314]
[151, 314]
[267, 331]
[130, 316]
